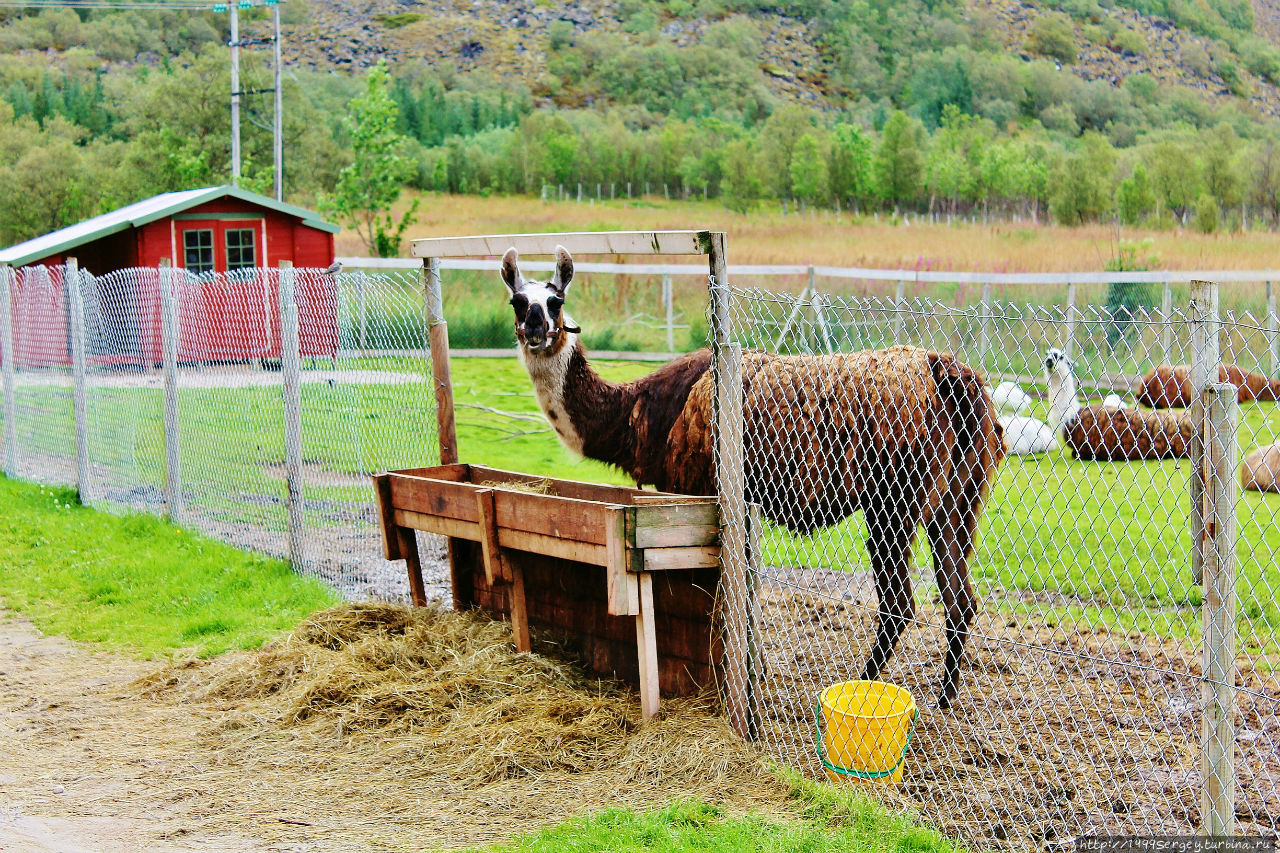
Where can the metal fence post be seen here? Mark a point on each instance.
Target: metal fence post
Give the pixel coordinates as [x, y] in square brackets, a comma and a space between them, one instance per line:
[1273, 330]
[1204, 370]
[984, 341]
[1218, 561]
[10, 372]
[736, 576]
[1166, 330]
[667, 300]
[438, 339]
[899, 320]
[1069, 345]
[290, 370]
[75, 305]
[169, 331]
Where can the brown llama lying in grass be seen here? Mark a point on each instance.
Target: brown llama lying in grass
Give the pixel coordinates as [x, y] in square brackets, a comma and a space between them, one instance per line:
[1106, 433]
[906, 435]
[1261, 469]
[1169, 387]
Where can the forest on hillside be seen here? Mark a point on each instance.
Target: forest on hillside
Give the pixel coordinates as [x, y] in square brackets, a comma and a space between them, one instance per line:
[924, 110]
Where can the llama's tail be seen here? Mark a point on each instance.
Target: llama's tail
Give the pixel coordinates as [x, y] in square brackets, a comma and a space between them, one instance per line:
[979, 446]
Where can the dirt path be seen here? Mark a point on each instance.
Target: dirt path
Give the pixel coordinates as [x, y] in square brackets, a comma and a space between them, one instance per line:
[72, 779]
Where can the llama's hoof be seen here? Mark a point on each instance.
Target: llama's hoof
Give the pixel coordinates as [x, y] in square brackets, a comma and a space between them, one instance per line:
[943, 702]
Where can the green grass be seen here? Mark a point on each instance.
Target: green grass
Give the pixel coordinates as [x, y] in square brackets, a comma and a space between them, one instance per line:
[833, 820]
[138, 582]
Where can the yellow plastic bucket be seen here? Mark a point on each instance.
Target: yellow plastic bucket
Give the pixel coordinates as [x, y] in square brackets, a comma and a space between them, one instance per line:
[864, 729]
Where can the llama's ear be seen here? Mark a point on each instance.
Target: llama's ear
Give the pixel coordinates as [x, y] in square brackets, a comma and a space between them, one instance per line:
[510, 272]
[564, 270]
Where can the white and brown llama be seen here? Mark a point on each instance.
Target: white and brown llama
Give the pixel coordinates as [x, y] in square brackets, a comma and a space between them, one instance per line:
[1109, 433]
[906, 435]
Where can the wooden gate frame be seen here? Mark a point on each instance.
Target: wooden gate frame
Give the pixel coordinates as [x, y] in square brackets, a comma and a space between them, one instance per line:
[727, 373]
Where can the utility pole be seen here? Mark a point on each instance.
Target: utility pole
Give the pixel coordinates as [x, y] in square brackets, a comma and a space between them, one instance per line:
[235, 95]
[277, 129]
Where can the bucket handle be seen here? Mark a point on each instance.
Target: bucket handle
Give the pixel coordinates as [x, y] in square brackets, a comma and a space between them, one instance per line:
[860, 774]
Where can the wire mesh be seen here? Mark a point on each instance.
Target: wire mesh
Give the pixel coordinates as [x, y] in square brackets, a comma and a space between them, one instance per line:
[366, 404]
[1081, 693]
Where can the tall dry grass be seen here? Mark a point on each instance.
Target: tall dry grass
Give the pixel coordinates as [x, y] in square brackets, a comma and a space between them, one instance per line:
[767, 237]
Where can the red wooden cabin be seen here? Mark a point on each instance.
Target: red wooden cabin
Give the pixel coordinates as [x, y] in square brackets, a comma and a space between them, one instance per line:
[221, 237]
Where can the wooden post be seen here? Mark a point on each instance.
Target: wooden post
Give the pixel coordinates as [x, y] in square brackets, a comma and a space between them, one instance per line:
[1218, 562]
[1166, 319]
[75, 304]
[899, 307]
[731, 489]
[667, 300]
[438, 338]
[290, 374]
[647, 648]
[1069, 345]
[1273, 330]
[754, 530]
[622, 592]
[10, 372]
[984, 339]
[1203, 312]
[169, 331]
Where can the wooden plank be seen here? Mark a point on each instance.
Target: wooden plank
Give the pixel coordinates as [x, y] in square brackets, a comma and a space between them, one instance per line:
[668, 559]
[642, 498]
[647, 649]
[1218, 562]
[495, 569]
[519, 610]
[550, 546]
[429, 523]
[577, 242]
[434, 497]
[457, 472]
[413, 565]
[670, 525]
[621, 586]
[552, 515]
[386, 517]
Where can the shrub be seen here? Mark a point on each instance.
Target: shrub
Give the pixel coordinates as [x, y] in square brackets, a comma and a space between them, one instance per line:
[1053, 35]
[1130, 41]
[1206, 221]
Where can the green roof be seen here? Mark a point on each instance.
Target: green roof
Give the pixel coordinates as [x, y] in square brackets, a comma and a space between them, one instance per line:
[142, 212]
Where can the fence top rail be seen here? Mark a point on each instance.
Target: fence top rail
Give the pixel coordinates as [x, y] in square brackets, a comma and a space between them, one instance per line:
[913, 276]
[583, 242]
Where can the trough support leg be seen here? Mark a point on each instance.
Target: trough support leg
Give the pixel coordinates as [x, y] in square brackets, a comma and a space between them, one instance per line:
[519, 609]
[408, 542]
[647, 649]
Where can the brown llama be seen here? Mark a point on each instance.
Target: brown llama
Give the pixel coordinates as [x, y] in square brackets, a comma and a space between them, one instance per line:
[1261, 469]
[1106, 433]
[1169, 387]
[906, 435]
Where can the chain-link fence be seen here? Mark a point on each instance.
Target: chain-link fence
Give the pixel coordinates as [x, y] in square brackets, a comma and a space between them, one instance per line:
[202, 435]
[1099, 676]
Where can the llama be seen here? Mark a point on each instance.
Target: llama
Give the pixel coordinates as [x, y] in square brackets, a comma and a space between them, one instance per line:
[1169, 387]
[1010, 399]
[1025, 435]
[906, 435]
[1106, 433]
[1261, 469]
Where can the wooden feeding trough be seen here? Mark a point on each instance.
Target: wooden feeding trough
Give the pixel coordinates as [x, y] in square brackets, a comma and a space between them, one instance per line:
[632, 577]
[577, 558]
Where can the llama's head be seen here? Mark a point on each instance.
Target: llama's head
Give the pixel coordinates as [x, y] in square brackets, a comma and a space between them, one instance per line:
[1057, 363]
[542, 327]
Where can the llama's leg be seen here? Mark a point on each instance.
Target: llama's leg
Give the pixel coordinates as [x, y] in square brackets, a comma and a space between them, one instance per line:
[951, 539]
[892, 518]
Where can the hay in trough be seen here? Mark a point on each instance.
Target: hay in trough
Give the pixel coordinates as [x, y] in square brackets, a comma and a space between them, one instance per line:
[432, 717]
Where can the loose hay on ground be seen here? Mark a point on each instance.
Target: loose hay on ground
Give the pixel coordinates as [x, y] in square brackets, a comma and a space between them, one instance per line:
[441, 703]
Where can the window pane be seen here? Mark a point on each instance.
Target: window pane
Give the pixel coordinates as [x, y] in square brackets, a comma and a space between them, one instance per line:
[197, 245]
[241, 248]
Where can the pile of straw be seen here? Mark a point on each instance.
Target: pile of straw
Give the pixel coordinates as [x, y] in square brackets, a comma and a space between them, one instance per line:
[379, 700]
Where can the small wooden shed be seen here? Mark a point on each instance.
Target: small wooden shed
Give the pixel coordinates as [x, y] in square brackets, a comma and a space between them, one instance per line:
[220, 236]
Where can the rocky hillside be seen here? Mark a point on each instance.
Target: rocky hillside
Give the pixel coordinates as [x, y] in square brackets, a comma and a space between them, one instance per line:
[509, 38]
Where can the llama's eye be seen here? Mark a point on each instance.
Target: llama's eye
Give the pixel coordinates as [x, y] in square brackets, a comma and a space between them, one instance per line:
[554, 303]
